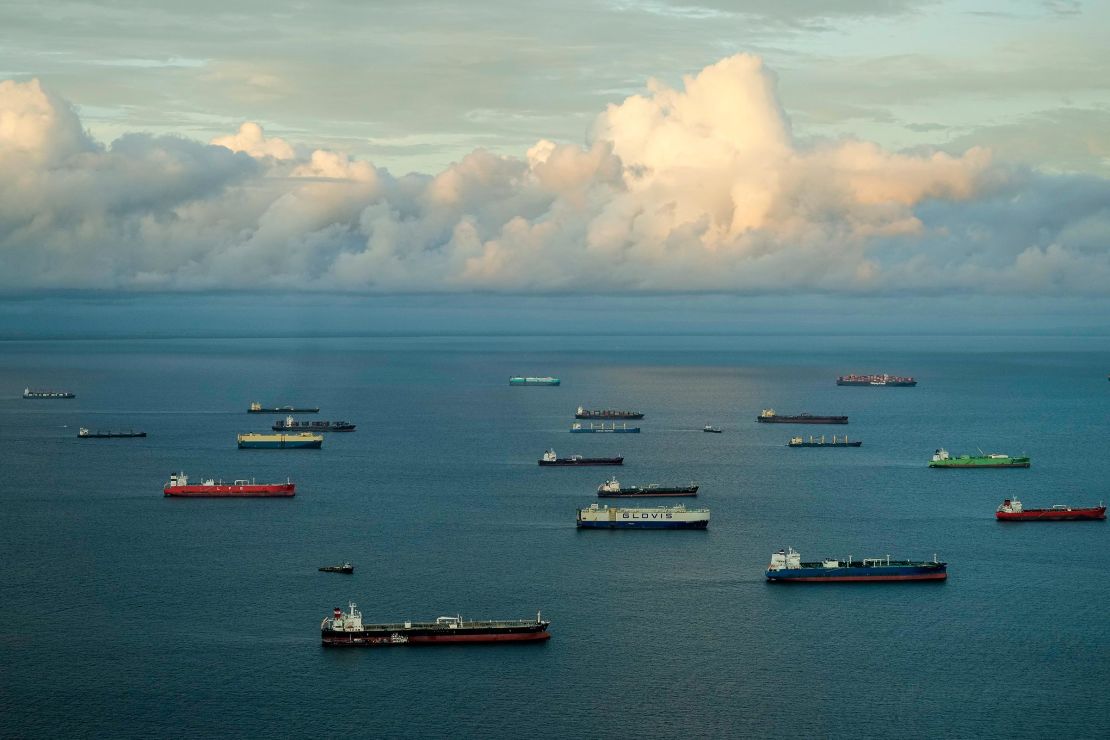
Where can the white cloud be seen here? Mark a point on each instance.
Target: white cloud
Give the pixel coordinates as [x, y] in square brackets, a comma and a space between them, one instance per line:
[698, 188]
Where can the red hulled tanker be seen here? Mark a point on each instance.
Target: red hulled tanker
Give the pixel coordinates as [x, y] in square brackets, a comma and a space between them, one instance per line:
[1011, 510]
[210, 488]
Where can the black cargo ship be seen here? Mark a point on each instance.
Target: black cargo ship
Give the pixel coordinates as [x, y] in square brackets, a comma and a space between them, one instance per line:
[584, 413]
[613, 489]
[84, 433]
[768, 416]
[346, 629]
[291, 425]
[549, 458]
[28, 393]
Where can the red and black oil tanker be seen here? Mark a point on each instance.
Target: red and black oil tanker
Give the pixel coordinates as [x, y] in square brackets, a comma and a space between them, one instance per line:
[346, 629]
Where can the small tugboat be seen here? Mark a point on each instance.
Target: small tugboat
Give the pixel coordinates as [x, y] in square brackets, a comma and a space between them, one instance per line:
[28, 393]
[596, 516]
[578, 428]
[787, 567]
[768, 416]
[799, 442]
[345, 568]
[257, 408]
[522, 380]
[550, 458]
[300, 440]
[711, 429]
[608, 414]
[613, 489]
[1011, 510]
[211, 488]
[941, 459]
[84, 433]
[292, 425]
[347, 630]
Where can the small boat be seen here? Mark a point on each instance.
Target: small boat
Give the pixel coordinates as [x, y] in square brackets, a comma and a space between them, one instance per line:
[84, 433]
[1011, 510]
[551, 459]
[711, 429]
[345, 568]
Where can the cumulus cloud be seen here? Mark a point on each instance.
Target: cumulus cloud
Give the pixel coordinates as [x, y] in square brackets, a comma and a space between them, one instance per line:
[697, 188]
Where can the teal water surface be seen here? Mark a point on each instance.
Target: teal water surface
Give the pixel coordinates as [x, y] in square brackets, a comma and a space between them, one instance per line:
[127, 614]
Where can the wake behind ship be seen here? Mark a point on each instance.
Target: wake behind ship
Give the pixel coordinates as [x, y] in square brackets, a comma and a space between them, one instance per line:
[346, 629]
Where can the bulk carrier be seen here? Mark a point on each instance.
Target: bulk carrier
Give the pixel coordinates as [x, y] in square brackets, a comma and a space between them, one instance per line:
[787, 567]
[346, 629]
[768, 416]
[607, 414]
[579, 428]
[842, 442]
[890, 381]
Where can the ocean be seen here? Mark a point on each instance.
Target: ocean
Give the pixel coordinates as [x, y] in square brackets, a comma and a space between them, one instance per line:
[127, 614]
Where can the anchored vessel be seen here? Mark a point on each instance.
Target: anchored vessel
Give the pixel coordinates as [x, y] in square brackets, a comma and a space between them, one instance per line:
[28, 393]
[596, 516]
[345, 568]
[884, 380]
[584, 413]
[84, 433]
[711, 429]
[300, 440]
[613, 489]
[550, 458]
[521, 380]
[578, 428]
[347, 629]
[941, 459]
[257, 408]
[768, 416]
[292, 425]
[211, 488]
[843, 442]
[787, 567]
[1011, 510]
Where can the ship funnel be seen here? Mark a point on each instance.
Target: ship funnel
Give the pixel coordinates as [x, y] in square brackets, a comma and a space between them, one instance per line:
[337, 612]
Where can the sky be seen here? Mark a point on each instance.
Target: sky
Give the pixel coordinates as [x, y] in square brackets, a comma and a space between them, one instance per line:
[856, 149]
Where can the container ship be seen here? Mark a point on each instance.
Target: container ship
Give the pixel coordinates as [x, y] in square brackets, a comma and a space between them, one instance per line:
[895, 381]
[596, 516]
[787, 567]
[211, 488]
[941, 459]
[28, 393]
[550, 458]
[578, 428]
[292, 425]
[521, 380]
[300, 440]
[1011, 510]
[768, 416]
[608, 414]
[346, 629]
[257, 408]
[84, 433]
[842, 442]
[613, 489]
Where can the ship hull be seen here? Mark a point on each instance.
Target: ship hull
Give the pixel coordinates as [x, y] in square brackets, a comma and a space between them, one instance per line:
[802, 419]
[925, 572]
[111, 435]
[313, 444]
[277, 490]
[650, 492]
[284, 410]
[826, 444]
[888, 384]
[970, 466]
[629, 430]
[1053, 515]
[402, 637]
[583, 462]
[641, 524]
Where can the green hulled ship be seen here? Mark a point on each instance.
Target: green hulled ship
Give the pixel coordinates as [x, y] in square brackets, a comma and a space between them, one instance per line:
[941, 459]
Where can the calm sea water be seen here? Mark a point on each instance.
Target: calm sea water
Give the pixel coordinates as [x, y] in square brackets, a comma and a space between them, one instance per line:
[127, 614]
